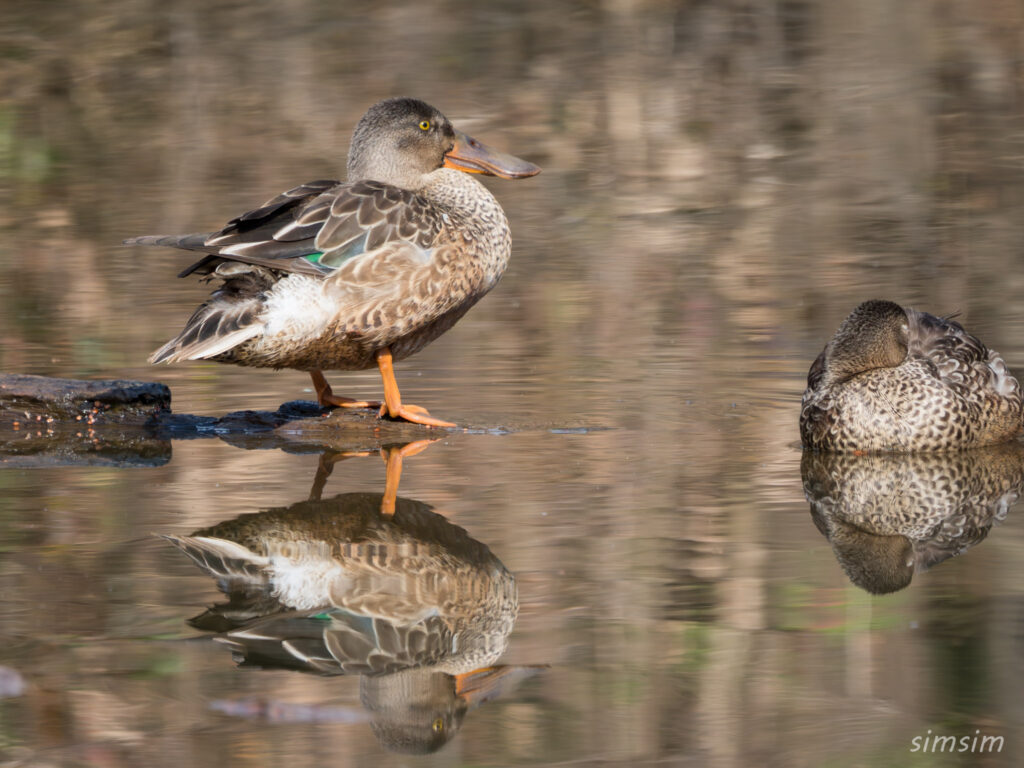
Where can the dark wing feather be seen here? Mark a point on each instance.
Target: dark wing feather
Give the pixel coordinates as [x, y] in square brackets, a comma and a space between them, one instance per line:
[193, 242]
[229, 317]
[269, 236]
[252, 238]
[287, 199]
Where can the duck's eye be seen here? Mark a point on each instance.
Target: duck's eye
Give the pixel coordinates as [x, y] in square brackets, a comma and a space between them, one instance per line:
[438, 725]
[424, 125]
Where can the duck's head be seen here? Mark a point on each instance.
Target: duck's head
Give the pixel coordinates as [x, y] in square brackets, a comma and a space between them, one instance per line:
[402, 141]
[875, 335]
[877, 564]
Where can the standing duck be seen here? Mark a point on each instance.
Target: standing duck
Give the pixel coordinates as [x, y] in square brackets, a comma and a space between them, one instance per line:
[351, 275]
[895, 379]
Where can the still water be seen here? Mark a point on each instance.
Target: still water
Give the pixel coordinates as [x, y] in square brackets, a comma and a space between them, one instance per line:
[626, 559]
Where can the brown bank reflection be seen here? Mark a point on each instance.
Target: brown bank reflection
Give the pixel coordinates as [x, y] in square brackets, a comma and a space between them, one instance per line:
[889, 516]
[366, 584]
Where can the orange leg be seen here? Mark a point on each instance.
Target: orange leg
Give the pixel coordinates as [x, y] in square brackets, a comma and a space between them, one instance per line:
[393, 455]
[327, 398]
[393, 400]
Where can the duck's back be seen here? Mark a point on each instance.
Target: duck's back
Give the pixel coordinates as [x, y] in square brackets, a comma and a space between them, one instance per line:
[950, 392]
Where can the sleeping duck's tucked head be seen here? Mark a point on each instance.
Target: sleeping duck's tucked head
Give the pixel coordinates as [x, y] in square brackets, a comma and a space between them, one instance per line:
[876, 564]
[875, 335]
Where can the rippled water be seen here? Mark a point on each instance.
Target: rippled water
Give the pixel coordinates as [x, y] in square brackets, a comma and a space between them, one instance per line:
[722, 183]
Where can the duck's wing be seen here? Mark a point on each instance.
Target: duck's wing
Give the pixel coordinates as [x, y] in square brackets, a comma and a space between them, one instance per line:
[943, 341]
[367, 215]
[960, 359]
[312, 229]
[255, 237]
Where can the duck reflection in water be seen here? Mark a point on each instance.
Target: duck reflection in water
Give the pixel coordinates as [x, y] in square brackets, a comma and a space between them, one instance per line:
[365, 584]
[888, 516]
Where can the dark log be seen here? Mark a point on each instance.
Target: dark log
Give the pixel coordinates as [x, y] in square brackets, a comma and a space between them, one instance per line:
[95, 402]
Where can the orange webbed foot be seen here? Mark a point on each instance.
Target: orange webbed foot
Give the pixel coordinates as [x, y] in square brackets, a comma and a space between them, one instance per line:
[335, 401]
[328, 399]
[415, 414]
[393, 405]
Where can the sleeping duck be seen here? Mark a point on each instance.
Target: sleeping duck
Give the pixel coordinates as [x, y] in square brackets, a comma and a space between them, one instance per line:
[895, 379]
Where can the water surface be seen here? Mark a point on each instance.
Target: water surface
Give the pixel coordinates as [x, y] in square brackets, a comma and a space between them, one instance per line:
[722, 183]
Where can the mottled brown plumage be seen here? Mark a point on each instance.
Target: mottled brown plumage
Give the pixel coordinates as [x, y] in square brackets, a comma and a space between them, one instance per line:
[331, 275]
[895, 379]
[342, 553]
[409, 601]
[888, 517]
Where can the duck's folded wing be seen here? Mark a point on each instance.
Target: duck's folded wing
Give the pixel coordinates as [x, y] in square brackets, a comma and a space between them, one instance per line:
[367, 215]
[312, 229]
[960, 359]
